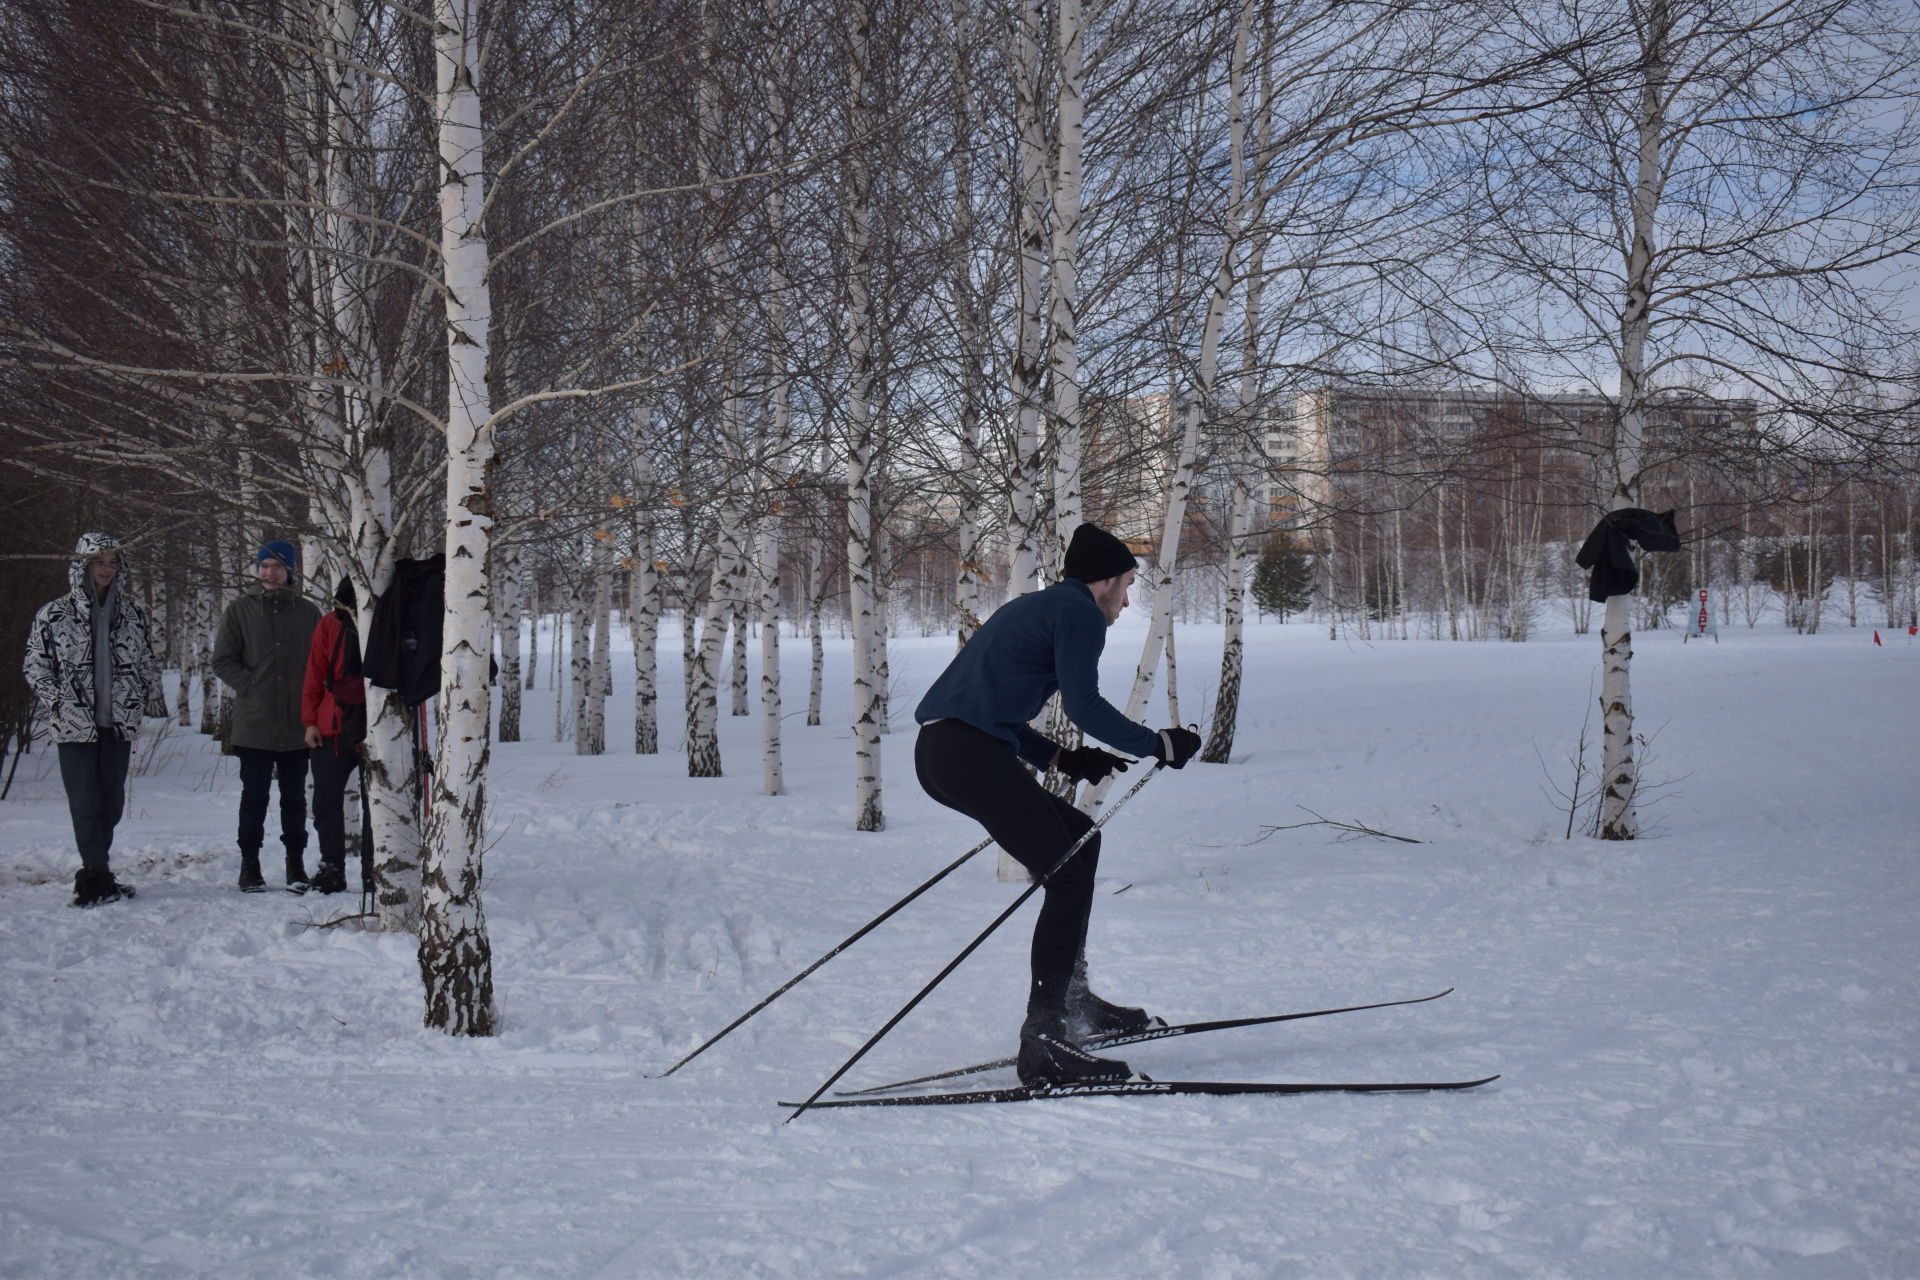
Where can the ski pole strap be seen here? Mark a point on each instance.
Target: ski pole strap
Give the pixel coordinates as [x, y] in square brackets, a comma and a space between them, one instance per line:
[971, 947]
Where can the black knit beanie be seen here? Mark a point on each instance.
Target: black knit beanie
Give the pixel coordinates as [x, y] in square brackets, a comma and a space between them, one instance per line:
[345, 595]
[1094, 554]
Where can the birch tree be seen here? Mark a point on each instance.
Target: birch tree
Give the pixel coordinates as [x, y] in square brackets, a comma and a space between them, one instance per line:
[1711, 209]
[857, 183]
[456, 958]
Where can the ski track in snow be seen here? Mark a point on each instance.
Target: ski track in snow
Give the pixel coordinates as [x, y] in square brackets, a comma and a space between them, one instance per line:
[1707, 1038]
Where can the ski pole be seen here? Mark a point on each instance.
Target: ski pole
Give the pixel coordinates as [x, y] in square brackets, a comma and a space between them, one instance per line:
[795, 980]
[998, 920]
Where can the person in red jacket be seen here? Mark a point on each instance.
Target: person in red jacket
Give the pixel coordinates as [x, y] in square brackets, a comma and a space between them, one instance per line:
[333, 706]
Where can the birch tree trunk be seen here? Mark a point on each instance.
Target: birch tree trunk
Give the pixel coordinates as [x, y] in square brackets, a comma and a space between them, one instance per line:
[600, 673]
[772, 771]
[456, 962]
[816, 642]
[1063, 360]
[972, 333]
[580, 664]
[533, 638]
[1026, 371]
[508, 584]
[644, 616]
[857, 193]
[729, 559]
[1619, 770]
[779, 407]
[1226, 705]
[738, 665]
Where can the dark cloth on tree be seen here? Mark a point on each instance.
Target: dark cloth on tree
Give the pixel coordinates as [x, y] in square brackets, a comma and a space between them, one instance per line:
[1033, 646]
[258, 771]
[1610, 557]
[403, 638]
[260, 652]
[1094, 555]
[95, 777]
[978, 774]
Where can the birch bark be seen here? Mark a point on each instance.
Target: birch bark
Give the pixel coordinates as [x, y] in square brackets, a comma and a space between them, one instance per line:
[1026, 371]
[972, 331]
[456, 960]
[1063, 360]
[599, 672]
[508, 585]
[644, 616]
[1619, 771]
[857, 195]
[1226, 706]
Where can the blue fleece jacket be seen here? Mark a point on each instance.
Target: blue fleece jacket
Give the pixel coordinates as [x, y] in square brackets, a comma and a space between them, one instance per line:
[1033, 645]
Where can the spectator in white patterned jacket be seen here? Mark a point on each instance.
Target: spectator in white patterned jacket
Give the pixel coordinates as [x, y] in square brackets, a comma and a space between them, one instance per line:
[90, 662]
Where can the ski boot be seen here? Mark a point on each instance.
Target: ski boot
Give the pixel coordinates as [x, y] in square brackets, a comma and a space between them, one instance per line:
[1088, 1015]
[1048, 1055]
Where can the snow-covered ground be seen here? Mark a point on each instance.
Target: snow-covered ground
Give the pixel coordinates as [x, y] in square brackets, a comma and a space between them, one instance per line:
[1707, 1039]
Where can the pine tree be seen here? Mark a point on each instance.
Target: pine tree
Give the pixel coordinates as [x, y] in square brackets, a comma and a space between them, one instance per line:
[1283, 578]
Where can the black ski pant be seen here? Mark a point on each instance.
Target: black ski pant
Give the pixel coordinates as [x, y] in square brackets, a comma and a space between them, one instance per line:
[95, 776]
[332, 766]
[258, 770]
[970, 770]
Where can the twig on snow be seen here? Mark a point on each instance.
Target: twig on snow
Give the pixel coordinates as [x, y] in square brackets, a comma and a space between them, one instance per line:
[1356, 828]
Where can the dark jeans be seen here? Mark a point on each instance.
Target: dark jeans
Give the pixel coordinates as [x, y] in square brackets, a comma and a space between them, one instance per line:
[258, 769]
[95, 775]
[978, 774]
[331, 769]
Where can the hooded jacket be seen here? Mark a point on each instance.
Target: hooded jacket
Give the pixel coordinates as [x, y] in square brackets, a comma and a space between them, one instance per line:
[260, 652]
[60, 652]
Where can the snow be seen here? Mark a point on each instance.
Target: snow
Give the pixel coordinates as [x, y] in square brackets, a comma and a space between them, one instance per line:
[1706, 1039]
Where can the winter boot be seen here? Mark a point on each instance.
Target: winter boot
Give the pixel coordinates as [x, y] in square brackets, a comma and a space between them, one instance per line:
[330, 878]
[297, 881]
[251, 881]
[91, 888]
[1088, 1015]
[1048, 1056]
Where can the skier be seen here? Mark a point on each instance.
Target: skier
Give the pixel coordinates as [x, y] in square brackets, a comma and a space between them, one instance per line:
[90, 662]
[974, 734]
[260, 652]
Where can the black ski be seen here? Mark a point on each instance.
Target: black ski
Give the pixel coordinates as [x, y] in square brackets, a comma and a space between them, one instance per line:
[1115, 1039]
[1127, 1088]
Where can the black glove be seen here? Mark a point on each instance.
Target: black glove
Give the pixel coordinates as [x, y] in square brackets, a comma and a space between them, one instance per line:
[1089, 764]
[1177, 746]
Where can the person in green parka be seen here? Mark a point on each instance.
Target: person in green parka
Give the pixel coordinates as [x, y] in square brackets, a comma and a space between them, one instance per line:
[260, 652]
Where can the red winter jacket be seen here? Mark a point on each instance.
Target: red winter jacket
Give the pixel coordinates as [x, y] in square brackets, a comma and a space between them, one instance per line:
[318, 707]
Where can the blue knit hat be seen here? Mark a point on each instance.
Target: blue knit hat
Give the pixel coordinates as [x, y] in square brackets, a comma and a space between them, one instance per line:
[277, 550]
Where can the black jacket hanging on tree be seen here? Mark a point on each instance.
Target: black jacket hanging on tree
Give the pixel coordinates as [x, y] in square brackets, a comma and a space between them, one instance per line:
[1607, 554]
[403, 640]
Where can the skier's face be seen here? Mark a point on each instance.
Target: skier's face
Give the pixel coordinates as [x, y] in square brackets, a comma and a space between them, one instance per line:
[273, 574]
[101, 569]
[1111, 595]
